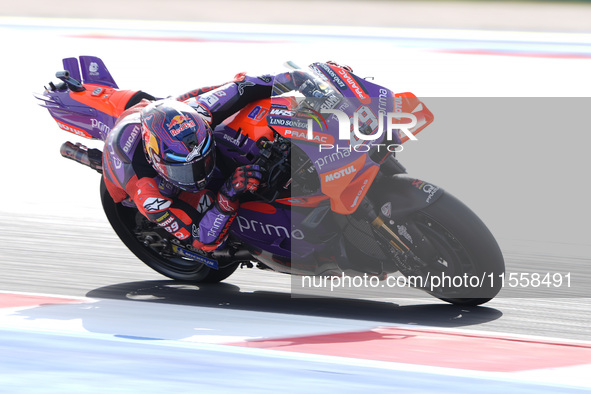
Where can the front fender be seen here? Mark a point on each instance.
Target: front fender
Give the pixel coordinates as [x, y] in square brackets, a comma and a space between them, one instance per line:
[398, 196]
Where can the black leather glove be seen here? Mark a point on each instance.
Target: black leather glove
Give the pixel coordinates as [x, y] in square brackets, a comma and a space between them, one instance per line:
[245, 178]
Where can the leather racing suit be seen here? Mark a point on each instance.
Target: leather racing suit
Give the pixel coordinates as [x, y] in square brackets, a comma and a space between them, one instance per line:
[203, 218]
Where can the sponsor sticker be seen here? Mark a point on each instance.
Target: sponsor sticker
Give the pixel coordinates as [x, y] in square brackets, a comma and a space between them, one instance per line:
[387, 209]
[257, 113]
[339, 173]
[211, 263]
[204, 203]
[156, 204]
[93, 68]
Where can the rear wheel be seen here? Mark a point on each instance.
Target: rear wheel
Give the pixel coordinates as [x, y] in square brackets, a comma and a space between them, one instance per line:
[150, 244]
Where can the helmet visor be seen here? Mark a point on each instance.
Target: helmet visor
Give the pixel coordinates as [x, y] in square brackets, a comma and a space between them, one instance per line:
[193, 174]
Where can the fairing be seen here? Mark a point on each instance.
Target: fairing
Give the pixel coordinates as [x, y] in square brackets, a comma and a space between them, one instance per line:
[90, 113]
[276, 231]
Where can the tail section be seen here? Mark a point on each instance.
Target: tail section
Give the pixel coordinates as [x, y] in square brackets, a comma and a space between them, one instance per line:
[71, 65]
[87, 102]
[90, 70]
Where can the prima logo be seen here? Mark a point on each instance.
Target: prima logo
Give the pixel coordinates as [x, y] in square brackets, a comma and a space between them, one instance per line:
[332, 157]
[97, 124]
[217, 224]
[269, 229]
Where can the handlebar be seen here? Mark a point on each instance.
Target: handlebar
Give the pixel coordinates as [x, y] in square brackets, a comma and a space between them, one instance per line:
[274, 160]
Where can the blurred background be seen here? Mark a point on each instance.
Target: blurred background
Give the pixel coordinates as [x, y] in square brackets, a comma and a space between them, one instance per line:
[556, 16]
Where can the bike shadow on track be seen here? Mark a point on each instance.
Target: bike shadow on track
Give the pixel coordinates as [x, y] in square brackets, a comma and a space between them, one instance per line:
[228, 296]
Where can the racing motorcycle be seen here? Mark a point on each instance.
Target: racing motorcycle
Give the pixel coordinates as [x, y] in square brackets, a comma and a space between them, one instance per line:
[334, 198]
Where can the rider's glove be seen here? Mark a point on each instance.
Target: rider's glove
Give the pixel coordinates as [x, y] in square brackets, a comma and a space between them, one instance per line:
[215, 224]
[245, 178]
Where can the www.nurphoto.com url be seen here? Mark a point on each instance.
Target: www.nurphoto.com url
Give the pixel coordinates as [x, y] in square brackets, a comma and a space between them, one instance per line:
[433, 282]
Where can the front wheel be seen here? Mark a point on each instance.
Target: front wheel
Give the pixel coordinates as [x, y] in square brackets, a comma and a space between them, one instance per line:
[135, 230]
[462, 262]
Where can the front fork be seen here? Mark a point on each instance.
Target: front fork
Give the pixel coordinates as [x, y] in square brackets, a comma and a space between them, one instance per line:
[408, 262]
[367, 210]
[388, 167]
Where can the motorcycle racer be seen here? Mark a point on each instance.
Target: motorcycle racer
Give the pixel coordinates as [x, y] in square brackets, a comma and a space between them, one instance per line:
[160, 156]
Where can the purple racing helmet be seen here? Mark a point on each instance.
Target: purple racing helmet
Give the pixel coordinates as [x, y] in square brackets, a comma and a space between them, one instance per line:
[178, 143]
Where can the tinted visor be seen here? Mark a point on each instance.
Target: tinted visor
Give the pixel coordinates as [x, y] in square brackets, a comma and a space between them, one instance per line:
[193, 174]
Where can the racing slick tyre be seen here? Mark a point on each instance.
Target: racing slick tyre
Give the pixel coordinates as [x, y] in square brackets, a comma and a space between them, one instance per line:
[150, 244]
[462, 256]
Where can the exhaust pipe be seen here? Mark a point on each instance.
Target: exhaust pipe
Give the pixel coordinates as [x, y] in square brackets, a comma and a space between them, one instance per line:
[92, 158]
